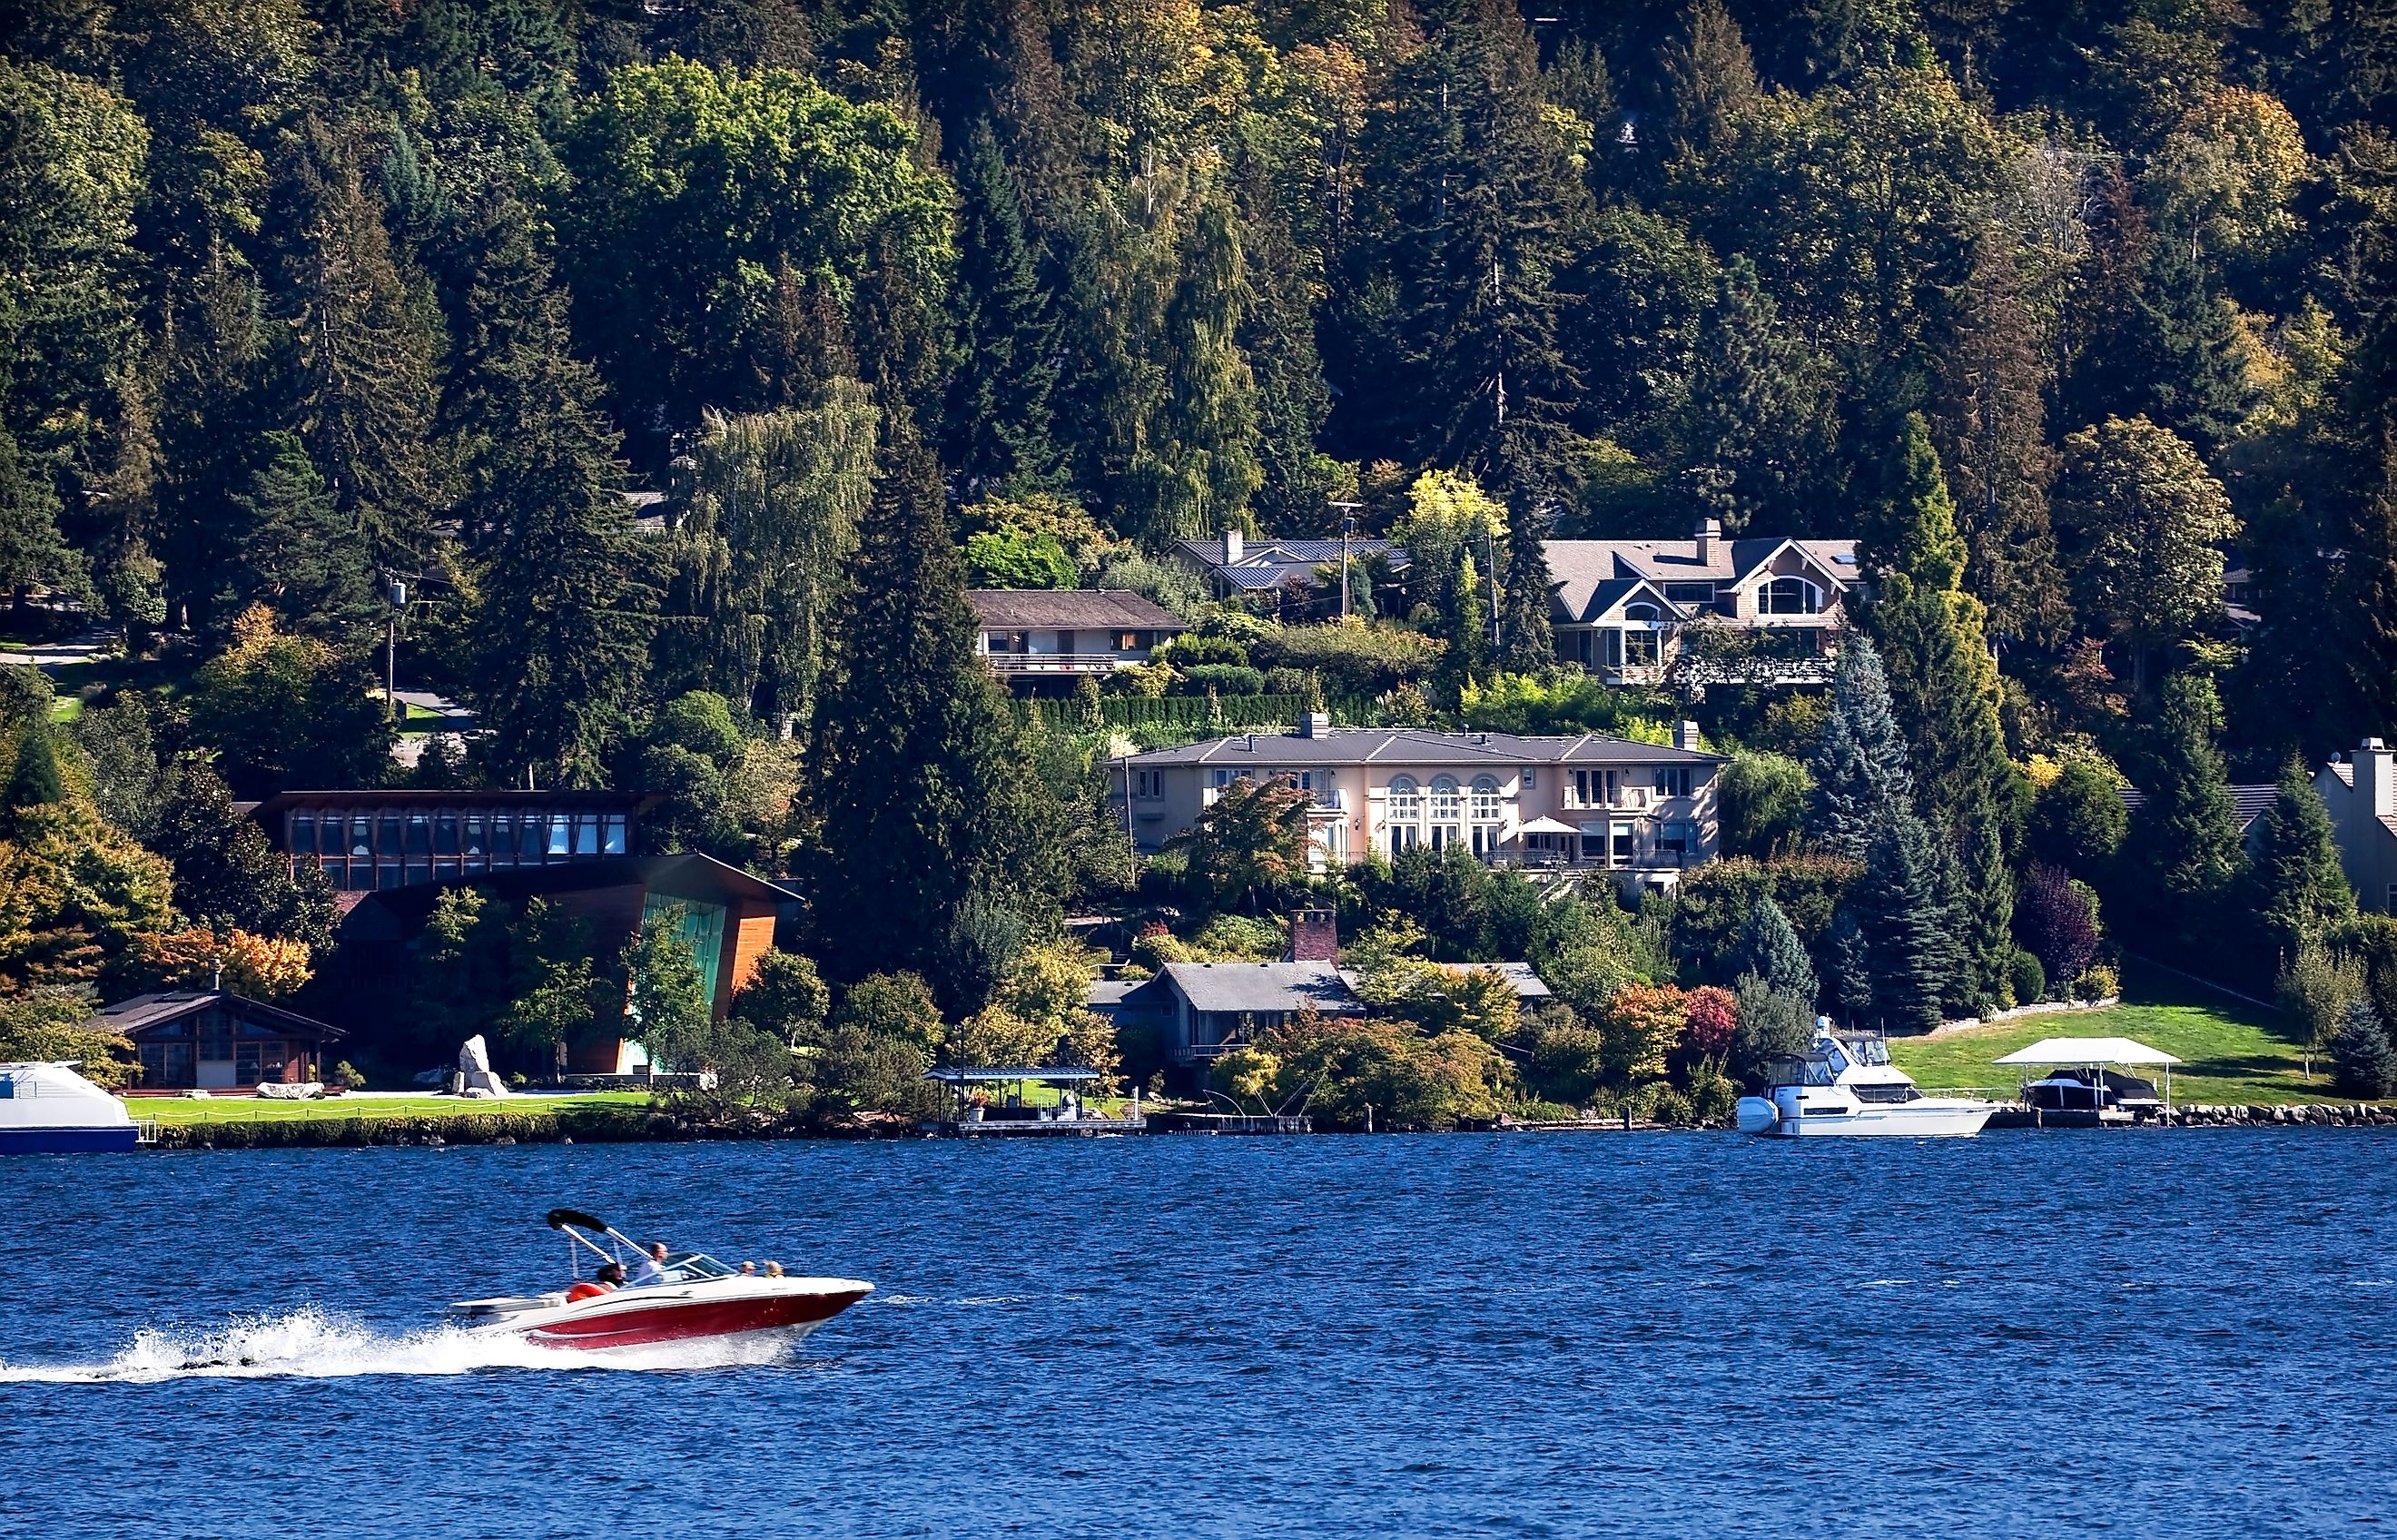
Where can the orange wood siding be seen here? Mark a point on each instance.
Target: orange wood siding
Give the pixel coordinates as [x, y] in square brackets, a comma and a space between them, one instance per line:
[753, 937]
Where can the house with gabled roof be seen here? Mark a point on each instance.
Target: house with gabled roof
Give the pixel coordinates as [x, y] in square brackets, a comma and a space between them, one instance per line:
[1756, 609]
[1237, 567]
[1031, 637]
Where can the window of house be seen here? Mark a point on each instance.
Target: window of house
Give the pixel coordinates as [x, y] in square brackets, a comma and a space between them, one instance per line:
[1673, 840]
[1531, 779]
[1673, 780]
[1149, 783]
[1625, 844]
[1646, 614]
[1789, 596]
[1406, 800]
[1689, 592]
[303, 834]
[1640, 647]
[1485, 800]
[561, 836]
[1444, 804]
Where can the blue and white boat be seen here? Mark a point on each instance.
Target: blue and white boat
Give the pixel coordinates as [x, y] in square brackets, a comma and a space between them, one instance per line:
[49, 1109]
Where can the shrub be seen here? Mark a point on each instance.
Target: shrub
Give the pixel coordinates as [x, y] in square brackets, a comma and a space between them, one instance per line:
[2056, 918]
[1670, 1108]
[2098, 983]
[2367, 1065]
[347, 1076]
[1568, 1061]
[1542, 1112]
[1011, 559]
[2028, 978]
[1350, 657]
[1714, 1096]
[1223, 679]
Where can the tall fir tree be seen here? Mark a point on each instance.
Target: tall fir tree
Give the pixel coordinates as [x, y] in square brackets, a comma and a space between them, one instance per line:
[2184, 839]
[295, 553]
[1466, 629]
[1001, 423]
[1479, 203]
[1769, 948]
[359, 346]
[1276, 334]
[915, 769]
[213, 408]
[1758, 426]
[1985, 903]
[561, 622]
[1995, 373]
[1943, 681]
[2297, 888]
[1859, 765]
[1526, 590]
[1906, 908]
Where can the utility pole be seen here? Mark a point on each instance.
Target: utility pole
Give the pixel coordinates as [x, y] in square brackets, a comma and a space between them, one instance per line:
[397, 595]
[1348, 527]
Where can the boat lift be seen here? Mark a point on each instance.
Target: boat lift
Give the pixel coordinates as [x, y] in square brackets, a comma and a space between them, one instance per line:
[2093, 1054]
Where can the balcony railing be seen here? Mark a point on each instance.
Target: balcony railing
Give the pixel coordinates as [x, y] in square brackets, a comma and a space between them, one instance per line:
[1005, 664]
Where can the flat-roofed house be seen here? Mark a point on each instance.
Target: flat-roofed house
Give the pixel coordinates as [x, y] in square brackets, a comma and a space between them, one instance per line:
[1758, 609]
[1640, 812]
[1034, 636]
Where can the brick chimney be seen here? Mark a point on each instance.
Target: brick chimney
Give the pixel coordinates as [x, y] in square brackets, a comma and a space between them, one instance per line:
[1709, 532]
[1685, 736]
[1234, 547]
[1314, 935]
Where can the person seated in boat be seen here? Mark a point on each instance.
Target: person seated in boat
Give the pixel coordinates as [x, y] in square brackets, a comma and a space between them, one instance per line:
[773, 1269]
[653, 1267]
[610, 1279]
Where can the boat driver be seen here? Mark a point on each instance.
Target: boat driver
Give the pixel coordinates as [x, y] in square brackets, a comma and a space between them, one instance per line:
[653, 1267]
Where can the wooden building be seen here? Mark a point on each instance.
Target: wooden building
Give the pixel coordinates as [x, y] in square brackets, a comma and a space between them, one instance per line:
[213, 1040]
[727, 917]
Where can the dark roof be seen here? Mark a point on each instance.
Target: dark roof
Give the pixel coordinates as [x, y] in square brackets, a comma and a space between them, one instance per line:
[1263, 986]
[1266, 563]
[700, 878]
[1420, 747]
[1052, 1075]
[412, 796]
[1584, 569]
[1069, 610]
[144, 1012]
[2248, 803]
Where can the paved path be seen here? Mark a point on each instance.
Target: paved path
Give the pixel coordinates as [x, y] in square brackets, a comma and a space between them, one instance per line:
[50, 657]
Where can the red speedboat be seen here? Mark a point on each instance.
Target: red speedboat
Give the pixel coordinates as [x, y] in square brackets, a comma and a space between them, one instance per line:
[696, 1297]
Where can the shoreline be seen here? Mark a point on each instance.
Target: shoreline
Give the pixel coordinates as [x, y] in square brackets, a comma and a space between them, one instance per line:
[665, 1126]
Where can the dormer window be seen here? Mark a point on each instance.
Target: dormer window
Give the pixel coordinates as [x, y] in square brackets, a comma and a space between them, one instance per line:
[1646, 614]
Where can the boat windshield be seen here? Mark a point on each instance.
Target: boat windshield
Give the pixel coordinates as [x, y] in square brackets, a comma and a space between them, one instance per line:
[691, 1267]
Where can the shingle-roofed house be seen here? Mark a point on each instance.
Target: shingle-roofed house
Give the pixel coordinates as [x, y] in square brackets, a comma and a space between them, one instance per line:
[1235, 566]
[1624, 609]
[1061, 634]
[1207, 1007]
[2360, 793]
[1642, 811]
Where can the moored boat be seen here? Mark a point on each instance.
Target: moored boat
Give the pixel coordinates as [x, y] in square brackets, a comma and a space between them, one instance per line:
[1844, 1085]
[693, 1297]
[49, 1109]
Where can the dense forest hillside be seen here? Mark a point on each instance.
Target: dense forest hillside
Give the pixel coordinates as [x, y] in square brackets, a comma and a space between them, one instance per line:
[2063, 308]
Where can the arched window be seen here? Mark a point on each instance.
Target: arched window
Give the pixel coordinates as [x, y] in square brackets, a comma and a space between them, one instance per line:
[1789, 596]
[1406, 801]
[1643, 613]
[1485, 800]
[1444, 800]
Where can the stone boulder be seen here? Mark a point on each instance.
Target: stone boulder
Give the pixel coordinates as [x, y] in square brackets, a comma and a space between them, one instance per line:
[475, 1075]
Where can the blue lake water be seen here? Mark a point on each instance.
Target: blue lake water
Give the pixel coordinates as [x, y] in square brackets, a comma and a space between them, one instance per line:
[2150, 1333]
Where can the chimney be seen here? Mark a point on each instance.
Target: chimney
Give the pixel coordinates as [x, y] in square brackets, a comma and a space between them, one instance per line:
[1314, 935]
[1315, 724]
[1232, 547]
[2376, 768]
[1709, 532]
[1685, 736]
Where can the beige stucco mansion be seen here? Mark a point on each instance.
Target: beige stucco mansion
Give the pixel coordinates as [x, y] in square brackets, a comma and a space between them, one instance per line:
[1643, 813]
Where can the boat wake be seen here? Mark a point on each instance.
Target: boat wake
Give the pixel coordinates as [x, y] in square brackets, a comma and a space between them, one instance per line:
[312, 1344]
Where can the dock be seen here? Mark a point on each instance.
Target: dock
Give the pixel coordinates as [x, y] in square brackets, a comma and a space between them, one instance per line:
[1229, 1122]
[1017, 1128]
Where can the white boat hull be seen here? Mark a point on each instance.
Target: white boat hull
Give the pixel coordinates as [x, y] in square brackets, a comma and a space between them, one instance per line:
[1928, 1118]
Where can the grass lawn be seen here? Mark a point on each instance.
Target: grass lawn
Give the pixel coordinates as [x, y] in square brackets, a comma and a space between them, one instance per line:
[2232, 1052]
[184, 1112]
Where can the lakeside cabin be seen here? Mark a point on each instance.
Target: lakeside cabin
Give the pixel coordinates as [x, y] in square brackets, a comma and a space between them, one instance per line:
[214, 1039]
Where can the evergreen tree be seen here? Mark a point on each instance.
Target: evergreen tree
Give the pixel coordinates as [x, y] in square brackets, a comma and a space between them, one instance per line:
[212, 411]
[2191, 367]
[1202, 466]
[1479, 200]
[2367, 1064]
[1276, 334]
[1859, 765]
[1849, 956]
[31, 551]
[1526, 592]
[1943, 682]
[34, 781]
[357, 371]
[560, 626]
[1910, 926]
[1759, 423]
[1467, 631]
[1769, 948]
[1985, 906]
[1000, 421]
[2184, 839]
[2299, 889]
[226, 875]
[2368, 592]
[296, 554]
[927, 806]
[1995, 372]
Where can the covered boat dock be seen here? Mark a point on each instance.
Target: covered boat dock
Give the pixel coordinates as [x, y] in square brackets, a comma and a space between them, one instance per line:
[1014, 1114]
[2095, 1057]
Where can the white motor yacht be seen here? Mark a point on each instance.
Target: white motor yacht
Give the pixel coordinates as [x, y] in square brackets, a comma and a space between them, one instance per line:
[49, 1109]
[1844, 1085]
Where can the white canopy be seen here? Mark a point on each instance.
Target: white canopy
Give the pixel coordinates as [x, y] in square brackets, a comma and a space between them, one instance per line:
[2088, 1050]
[1548, 826]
